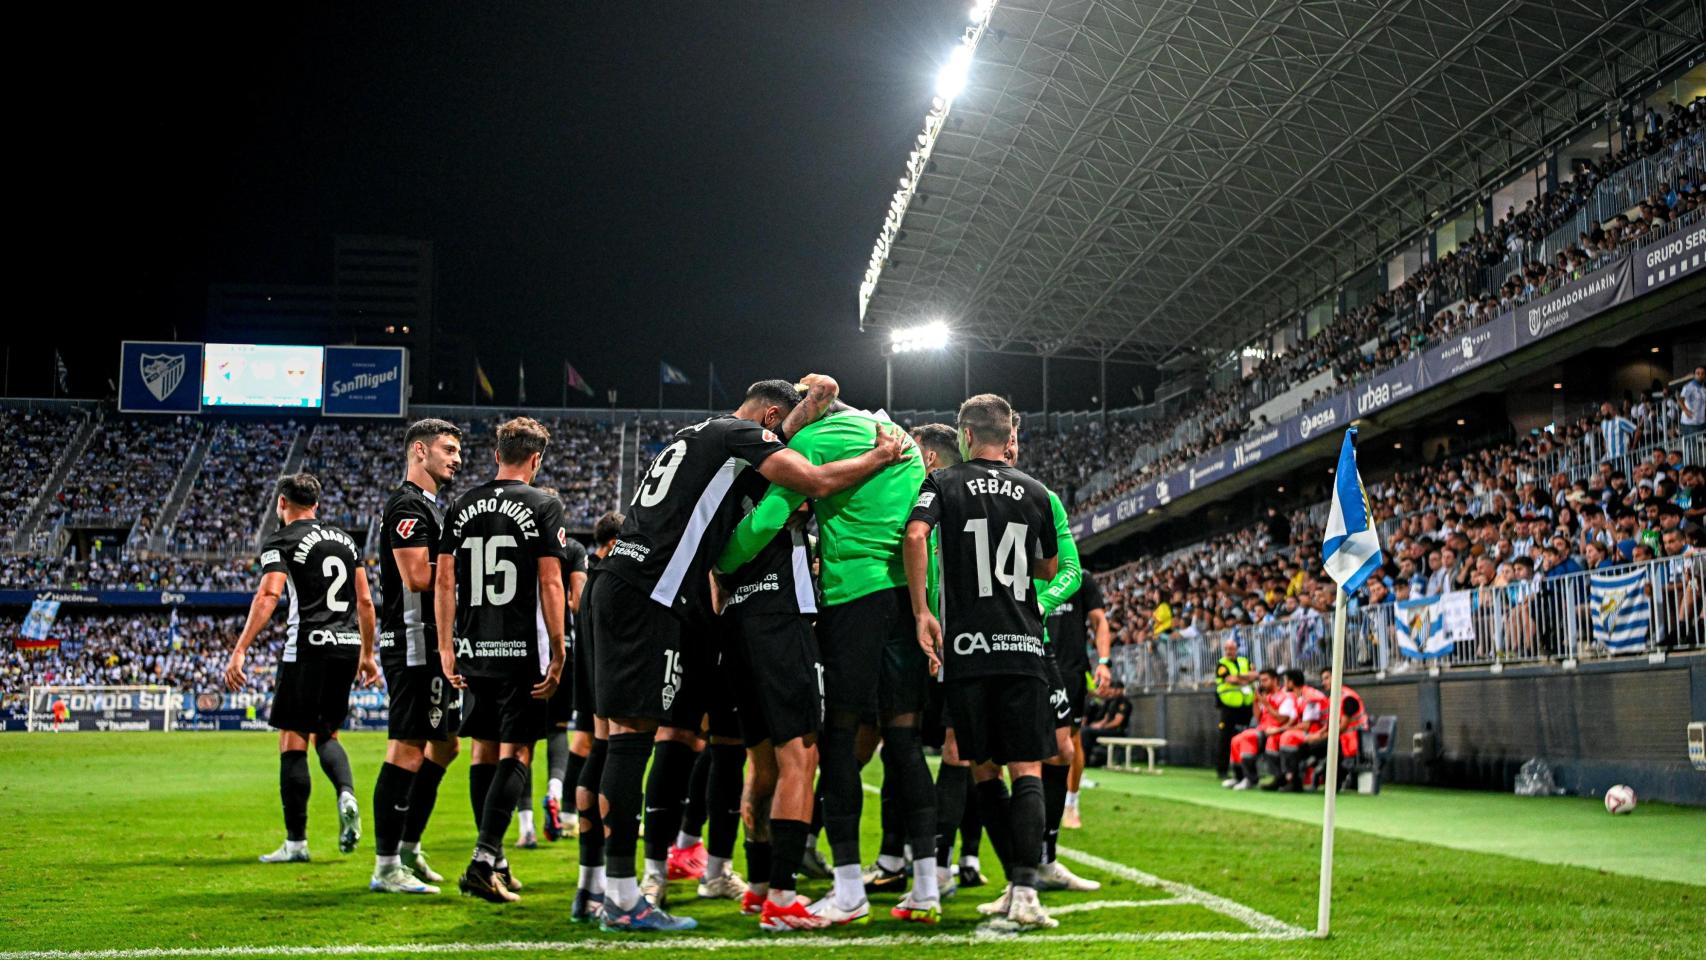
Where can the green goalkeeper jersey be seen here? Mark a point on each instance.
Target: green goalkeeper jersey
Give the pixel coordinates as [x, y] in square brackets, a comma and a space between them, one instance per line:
[861, 527]
[1053, 593]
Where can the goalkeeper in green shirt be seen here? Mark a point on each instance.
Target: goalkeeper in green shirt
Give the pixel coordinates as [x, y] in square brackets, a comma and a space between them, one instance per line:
[873, 668]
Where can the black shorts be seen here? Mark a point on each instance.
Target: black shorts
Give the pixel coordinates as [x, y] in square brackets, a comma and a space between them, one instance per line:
[504, 711]
[560, 709]
[422, 704]
[872, 664]
[580, 718]
[637, 657]
[775, 667]
[1059, 695]
[1077, 681]
[312, 696]
[1003, 719]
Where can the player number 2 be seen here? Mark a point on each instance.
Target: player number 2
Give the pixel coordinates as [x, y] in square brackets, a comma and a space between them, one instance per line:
[1009, 568]
[656, 484]
[484, 561]
[334, 568]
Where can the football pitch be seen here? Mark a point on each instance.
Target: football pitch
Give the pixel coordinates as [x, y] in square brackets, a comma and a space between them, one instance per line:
[144, 845]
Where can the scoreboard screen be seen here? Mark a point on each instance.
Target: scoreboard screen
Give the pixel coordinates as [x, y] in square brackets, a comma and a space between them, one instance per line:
[259, 375]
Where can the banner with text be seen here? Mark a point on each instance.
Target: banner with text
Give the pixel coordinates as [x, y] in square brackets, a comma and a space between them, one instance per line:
[366, 382]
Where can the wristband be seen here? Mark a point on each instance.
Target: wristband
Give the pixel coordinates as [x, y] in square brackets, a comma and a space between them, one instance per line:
[1103, 661]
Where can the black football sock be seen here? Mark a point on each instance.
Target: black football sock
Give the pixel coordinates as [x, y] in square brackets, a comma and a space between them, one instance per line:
[893, 842]
[479, 785]
[761, 856]
[571, 778]
[506, 786]
[1054, 806]
[622, 787]
[390, 808]
[1025, 813]
[724, 782]
[787, 848]
[294, 787]
[557, 755]
[694, 810]
[423, 796]
[915, 795]
[1248, 765]
[950, 809]
[666, 794]
[592, 825]
[971, 822]
[843, 793]
[524, 796]
[992, 804]
[817, 813]
[334, 762]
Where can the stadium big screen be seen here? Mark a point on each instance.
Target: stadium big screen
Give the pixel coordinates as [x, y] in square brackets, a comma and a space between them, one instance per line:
[260, 375]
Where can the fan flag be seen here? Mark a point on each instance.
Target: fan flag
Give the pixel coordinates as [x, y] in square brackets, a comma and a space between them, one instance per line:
[1421, 629]
[481, 380]
[1352, 549]
[669, 374]
[1621, 611]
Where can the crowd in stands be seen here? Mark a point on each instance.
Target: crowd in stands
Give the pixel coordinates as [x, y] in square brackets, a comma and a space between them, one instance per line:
[127, 470]
[35, 440]
[358, 464]
[1509, 515]
[1490, 272]
[243, 463]
[109, 569]
[188, 654]
[581, 464]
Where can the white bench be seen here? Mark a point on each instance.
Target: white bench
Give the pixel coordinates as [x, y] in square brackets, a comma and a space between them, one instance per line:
[1149, 744]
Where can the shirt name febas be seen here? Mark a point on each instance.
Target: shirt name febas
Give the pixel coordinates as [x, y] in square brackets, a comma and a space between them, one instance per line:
[315, 537]
[513, 509]
[966, 644]
[990, 486]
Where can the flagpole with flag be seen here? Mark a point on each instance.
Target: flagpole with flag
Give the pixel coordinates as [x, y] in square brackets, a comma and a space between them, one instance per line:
[521, 384]
[1350, 552]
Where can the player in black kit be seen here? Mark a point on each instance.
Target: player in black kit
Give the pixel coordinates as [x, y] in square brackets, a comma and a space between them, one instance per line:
[590, 741]
[559, 761]
[657, 577]
[423, 706]
[995, 534]
[500, 635]
[328, 644]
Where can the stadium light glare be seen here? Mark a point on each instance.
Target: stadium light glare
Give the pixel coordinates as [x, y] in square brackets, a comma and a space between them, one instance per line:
[952, 80]
[930, 336]
[980, 10]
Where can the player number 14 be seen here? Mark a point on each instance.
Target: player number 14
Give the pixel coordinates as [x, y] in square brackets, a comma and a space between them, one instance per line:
[1009, 568]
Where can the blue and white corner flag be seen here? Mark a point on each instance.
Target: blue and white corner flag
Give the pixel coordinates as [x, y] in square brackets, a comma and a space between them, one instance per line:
[1352, 548]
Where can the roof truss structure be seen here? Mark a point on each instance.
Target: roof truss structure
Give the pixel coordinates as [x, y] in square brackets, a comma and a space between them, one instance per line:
[1123, 180]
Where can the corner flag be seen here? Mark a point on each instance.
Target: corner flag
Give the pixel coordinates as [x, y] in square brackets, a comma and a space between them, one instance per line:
[1351, 550]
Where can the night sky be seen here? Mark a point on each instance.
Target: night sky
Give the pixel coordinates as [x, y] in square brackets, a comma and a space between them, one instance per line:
[615, 183]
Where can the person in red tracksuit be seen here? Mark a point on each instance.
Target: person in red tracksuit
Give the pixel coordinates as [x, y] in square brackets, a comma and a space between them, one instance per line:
[1309, 727]
[1275, 710]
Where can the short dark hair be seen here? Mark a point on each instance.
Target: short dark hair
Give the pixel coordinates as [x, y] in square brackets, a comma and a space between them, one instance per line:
[988, 417]
[608, 527]
[773, 393]
[941, 438]
[1295, 676]
[521, 438]
[301, 489]
[430, 429]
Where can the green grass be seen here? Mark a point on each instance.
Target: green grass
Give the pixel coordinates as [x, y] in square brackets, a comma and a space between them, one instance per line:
[125, 841]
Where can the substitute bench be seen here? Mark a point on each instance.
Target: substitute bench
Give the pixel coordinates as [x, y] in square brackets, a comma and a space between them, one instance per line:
[1149, 744]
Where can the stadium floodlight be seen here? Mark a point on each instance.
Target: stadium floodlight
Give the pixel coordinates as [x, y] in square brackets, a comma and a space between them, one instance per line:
[929, 336]
[950, 83]
[952, 80]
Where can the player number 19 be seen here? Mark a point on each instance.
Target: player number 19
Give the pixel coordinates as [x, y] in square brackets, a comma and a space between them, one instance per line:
[1009, 568]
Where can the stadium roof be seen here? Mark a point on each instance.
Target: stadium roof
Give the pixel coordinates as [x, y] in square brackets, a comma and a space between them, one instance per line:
[1126, 180]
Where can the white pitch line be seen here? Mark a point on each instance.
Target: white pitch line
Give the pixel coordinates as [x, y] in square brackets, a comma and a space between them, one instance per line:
[1254, 919]
[767, 944]
[1086, 907]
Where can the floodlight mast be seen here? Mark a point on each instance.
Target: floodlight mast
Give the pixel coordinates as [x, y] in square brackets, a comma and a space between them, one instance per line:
[950, 83]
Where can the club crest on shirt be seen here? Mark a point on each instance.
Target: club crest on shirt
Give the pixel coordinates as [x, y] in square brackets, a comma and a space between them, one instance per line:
[770, 437]
[562, 537]
[406, 526]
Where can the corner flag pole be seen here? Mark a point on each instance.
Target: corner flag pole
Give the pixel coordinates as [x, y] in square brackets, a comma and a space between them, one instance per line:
[1325, 907]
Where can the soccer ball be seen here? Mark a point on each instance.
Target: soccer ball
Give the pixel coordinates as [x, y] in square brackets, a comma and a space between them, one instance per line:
[1619, 799]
